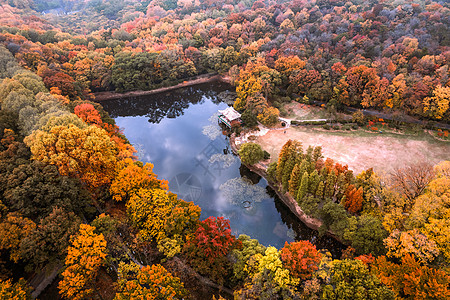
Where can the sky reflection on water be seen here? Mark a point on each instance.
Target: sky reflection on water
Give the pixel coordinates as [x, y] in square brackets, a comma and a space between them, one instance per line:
[185, 149]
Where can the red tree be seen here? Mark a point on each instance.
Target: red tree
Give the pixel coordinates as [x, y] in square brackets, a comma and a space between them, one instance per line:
[208, 247]
[64, 82]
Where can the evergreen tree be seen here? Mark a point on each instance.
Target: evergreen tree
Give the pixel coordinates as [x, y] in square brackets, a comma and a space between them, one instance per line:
[309, 153]
[282, 158]
[349, 177]
[288, 167]
[317, 153]
[311, 167]
[330, 185]
[272, 172]
[320, 188]
[341, 185]
[313, 182]
[303, 187]
[303, 167]
[294, 181]
[324, 172]
[293, 154]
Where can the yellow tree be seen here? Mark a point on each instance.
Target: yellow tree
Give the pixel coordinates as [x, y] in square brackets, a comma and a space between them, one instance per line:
[12, 230]
[84, 258]
[430, 212]
[148, 210]
[149, 282]
[178, 226]
[438, 230]
[437, 105]
[269, 116]
[85, 153]
[413, 242]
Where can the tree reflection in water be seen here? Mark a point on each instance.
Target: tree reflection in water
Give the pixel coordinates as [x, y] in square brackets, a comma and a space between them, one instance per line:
[159, 106]
[302, 231]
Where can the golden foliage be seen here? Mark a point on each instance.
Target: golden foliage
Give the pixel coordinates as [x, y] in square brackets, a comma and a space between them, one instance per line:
[131, 177]
[85, 256]
[85, 153]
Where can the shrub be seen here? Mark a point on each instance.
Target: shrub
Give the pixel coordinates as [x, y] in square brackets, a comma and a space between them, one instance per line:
[326, 126]
[318, 122]
[285, 99]
[358, 117]
[251, 153]
[250, 120]
[269, 116]
[266, 155]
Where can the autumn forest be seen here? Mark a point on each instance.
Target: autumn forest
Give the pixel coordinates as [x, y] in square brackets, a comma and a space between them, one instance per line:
[82, 217]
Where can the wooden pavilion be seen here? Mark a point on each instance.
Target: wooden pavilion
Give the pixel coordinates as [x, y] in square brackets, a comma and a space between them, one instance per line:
[228, 115]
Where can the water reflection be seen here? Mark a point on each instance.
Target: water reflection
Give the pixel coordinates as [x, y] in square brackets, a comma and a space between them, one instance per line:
[302, 232]
[159, 106]
[179, 134]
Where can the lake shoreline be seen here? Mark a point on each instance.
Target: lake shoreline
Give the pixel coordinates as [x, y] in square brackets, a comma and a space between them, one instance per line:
[287, 199]
[206, 78]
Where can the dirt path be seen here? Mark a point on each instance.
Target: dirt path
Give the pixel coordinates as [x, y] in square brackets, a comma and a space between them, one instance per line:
[102, 96]
[360, 150]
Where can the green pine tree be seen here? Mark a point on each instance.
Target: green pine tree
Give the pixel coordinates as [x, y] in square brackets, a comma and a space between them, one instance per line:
[330, 186]
[302, 191]
[320, 188]
[282, 158]
[313, 182]
[295, 179]
[317, 153]
[288, 167]
[309, 153]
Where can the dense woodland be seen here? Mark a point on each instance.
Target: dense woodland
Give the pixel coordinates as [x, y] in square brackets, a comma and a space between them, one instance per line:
[75, 200]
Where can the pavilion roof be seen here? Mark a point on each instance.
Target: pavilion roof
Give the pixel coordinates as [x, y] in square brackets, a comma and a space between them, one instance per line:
[230, 113]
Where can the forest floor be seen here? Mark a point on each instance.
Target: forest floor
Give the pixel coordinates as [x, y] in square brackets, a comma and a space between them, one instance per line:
[360, 149]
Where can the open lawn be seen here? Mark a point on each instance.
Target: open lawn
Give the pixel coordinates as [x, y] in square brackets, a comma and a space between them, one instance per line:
[361, 150]
[299, 111]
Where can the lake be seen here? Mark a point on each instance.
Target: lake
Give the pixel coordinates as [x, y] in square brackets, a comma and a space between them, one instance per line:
[178, 133]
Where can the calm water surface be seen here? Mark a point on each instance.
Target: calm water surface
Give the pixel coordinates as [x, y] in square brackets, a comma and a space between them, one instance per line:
[178, 133]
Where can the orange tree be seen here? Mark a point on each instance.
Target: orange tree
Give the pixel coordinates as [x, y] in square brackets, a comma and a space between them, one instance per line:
[410, 280]
[13, 229]
[84, 258]
[14, 291]
[131, 177]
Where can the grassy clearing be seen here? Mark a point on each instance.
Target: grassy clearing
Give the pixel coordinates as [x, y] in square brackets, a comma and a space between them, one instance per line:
[361, 149]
